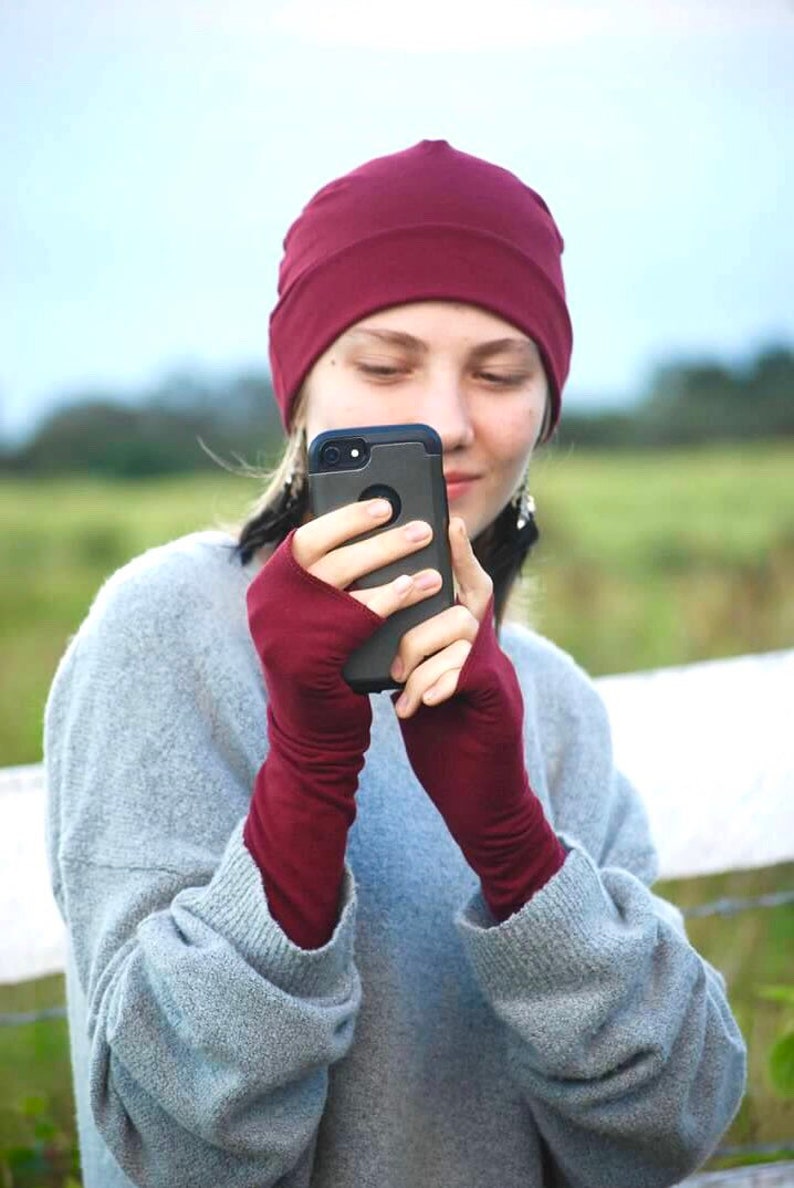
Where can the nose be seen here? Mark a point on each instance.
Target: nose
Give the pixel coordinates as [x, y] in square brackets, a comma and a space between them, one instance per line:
[445, 407]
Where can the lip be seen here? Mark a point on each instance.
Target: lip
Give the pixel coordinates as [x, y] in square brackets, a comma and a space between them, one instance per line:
[458, 484]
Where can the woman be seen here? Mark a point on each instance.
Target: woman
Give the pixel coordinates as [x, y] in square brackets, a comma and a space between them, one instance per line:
[322, 939]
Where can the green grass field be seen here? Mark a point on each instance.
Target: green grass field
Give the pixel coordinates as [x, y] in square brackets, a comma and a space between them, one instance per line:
[666, 559]
[644, 561]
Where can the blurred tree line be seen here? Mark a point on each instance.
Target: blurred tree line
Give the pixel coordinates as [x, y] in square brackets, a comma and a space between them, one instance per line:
[185, 420]
[690, 404]
[175, 427]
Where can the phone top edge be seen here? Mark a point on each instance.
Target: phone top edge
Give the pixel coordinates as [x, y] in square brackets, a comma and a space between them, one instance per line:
[414, 431]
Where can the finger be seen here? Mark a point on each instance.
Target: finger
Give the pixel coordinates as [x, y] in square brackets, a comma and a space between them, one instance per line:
[445, 687]
[474, 584]
[317, 537]
[345, 565]
[430, 636]
[404, 591]
[428, 673]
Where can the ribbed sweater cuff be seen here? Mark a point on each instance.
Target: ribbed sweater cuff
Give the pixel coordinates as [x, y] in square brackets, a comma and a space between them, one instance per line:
[234, 903]
[555, 937]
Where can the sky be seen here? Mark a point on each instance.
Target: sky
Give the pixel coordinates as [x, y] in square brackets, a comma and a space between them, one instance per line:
[154, 154]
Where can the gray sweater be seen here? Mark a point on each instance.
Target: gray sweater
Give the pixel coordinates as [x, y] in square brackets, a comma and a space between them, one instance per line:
[582, 1042]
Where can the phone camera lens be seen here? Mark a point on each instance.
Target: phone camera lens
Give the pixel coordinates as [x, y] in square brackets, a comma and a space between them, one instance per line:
[331, 455]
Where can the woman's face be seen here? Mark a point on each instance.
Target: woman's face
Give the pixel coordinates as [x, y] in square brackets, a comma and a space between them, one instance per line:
[473, 377]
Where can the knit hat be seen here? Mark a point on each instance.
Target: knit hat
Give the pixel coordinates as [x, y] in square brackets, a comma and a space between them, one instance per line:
[429, 223]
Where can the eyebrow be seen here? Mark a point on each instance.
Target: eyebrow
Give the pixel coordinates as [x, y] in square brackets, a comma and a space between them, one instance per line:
[401, 339]
[524, 345]
[390, 337]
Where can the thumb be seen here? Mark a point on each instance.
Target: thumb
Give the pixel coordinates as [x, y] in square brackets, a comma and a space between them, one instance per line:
[475, 586]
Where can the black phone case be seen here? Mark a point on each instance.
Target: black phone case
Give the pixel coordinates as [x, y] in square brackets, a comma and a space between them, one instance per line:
[405, 459]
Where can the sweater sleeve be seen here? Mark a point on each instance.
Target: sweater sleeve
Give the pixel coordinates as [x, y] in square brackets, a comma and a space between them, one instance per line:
[618, 1033]
[210, 1034]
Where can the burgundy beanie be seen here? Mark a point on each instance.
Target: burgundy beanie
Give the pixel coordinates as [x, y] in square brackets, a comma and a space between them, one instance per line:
[429, 223]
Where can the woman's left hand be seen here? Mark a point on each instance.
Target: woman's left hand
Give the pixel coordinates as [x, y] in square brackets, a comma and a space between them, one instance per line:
[431, 655]
[461, 717]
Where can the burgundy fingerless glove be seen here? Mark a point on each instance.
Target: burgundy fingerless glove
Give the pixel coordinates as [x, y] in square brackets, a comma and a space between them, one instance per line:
[318, 729]
[468, 754]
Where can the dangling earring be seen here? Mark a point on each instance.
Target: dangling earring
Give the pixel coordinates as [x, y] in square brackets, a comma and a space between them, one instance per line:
[523, 505]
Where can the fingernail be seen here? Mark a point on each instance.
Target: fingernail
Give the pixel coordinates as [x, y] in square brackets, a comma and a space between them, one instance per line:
[402, 583]
[416, 530]
[401, 704]
[397, 669]
[379, 508]
[426, 581]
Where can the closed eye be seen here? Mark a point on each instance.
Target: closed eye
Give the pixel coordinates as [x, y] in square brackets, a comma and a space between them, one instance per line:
[382, 370]
[503, 379]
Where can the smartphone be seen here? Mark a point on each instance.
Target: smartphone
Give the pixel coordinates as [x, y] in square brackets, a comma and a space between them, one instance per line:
[403, 464]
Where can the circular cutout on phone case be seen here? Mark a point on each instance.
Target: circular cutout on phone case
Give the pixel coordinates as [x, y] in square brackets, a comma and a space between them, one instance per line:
[382, 491]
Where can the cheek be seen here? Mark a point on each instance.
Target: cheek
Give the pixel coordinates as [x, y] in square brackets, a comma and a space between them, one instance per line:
[512, 436]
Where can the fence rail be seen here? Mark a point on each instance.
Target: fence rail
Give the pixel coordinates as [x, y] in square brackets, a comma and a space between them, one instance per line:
[774, 1175]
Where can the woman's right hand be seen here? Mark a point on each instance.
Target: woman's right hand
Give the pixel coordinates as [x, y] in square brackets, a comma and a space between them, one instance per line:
[305, 621]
